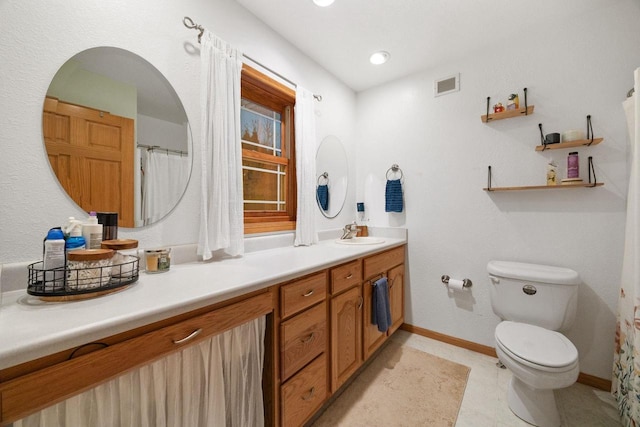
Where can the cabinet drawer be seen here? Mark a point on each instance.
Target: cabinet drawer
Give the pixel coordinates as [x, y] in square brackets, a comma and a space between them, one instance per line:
[303, 293]
[303, 394]
[345, 276]
[303, 337]
[380, 263]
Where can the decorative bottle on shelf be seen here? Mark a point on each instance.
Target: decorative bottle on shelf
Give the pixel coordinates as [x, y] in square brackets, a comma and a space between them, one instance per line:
[552, 173]
[573, 166]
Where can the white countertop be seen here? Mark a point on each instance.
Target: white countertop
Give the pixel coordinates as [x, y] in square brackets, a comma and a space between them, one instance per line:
[31, 328]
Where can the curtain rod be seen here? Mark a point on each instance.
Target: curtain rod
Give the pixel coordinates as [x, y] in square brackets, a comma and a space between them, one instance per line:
[188, 22]
[157, 147]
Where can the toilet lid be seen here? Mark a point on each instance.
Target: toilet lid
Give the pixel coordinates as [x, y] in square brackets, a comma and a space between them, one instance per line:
[536, 345]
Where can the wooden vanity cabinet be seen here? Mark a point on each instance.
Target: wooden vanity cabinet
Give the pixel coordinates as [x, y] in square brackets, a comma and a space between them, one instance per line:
[346, 322]
[390, 264]
[36, 390]
[318, 335]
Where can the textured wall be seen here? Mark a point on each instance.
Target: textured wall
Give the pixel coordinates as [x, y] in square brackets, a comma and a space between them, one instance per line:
[571, 70]
[38, 37]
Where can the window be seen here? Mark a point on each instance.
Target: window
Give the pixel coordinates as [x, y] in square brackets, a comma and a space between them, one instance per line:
[268, 153]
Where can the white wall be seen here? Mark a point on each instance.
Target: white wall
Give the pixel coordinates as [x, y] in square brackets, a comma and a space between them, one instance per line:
[38, 37]
[571, 69]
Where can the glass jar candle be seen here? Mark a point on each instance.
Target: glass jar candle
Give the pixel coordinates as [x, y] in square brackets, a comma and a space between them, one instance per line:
[158, 260]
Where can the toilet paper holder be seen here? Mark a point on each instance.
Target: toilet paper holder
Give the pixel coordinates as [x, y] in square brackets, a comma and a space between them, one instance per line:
[466, 283]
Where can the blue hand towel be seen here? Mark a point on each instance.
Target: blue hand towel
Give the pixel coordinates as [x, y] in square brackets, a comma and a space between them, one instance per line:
[380, 310]
[322, 193]
[393, 196]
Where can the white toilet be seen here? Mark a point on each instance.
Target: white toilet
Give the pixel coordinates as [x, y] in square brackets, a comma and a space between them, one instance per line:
[535, 301]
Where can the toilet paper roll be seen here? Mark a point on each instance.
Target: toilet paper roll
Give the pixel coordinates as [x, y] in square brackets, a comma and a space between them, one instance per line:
[456, 285]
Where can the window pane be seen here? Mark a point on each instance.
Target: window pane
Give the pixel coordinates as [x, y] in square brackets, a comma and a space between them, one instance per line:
[260, 128]
[263, 188]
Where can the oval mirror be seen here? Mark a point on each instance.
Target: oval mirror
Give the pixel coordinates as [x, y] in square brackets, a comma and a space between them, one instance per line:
[333, 175]
[117, 136]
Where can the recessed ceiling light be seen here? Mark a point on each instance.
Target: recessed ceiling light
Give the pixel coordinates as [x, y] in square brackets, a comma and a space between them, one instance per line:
[379, 57]
[323, 3]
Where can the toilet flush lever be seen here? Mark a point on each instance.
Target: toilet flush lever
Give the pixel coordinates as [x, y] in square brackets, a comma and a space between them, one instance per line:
[529, 289]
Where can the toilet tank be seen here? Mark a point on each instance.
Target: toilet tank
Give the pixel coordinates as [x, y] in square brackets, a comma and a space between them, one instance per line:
[540, 295]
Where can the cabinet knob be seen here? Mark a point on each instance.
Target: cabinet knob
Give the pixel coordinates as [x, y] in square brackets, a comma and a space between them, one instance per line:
[189, 337]
[309, 395]
[309, 338]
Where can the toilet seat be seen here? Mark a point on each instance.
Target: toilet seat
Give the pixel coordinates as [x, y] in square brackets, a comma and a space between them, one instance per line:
[536, 347]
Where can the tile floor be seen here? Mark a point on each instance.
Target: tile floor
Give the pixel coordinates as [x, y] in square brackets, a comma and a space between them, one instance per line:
[485, 398]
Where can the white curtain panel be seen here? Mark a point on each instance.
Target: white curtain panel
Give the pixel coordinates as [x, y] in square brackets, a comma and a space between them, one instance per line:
[221, 213]
[165, 178]
[217, 382]
[626, 366]
[305, 124]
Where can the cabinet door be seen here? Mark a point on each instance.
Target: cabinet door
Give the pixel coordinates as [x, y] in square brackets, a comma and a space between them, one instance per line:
[372, 338]
[396, 297]
[346, 336]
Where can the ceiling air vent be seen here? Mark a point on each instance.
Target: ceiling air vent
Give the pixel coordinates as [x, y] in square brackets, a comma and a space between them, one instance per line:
[447, 85]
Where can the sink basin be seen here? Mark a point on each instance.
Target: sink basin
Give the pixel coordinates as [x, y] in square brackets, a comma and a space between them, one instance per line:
[361, 241]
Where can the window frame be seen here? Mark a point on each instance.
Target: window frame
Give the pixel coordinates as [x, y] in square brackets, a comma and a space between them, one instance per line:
[262, 89]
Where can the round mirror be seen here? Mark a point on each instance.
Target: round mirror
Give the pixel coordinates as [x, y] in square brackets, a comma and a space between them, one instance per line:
[117, 136]
[333, 176]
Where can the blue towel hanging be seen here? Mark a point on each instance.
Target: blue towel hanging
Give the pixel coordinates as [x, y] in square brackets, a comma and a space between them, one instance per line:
[393, 196]
[322, 193]
[380, 310]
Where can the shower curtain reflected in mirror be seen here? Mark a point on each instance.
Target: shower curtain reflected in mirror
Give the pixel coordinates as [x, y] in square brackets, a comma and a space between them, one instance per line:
[626, 367]
[164, 178]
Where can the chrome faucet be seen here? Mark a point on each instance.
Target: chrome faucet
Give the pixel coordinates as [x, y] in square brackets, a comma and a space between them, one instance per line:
[349, 231]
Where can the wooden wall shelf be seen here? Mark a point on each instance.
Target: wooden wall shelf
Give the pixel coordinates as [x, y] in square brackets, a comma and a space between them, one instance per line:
[570, 144]
[546, 187]
[507, 114]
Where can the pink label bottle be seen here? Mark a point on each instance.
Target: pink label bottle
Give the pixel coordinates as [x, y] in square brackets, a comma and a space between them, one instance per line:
[573, 165]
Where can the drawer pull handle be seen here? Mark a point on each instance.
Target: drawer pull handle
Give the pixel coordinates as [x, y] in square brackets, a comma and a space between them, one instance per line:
[360, 302]
[349, 276]
[309, 338]
[309, 395]
[309, 293]
[191, 336]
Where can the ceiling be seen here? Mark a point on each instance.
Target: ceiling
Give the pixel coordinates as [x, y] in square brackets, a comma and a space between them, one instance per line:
[419, 34]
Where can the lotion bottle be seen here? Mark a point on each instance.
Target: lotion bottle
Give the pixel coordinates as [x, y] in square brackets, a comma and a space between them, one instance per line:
[92, 232]
[54, 258]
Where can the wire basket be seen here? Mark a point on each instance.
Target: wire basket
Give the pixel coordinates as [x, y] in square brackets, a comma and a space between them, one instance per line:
[66, 283]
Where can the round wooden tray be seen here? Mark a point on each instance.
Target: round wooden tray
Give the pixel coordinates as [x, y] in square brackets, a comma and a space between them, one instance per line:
[78, 297]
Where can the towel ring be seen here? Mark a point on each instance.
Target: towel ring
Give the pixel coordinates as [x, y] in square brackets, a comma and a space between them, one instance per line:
[325, 176]
[394, 169]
